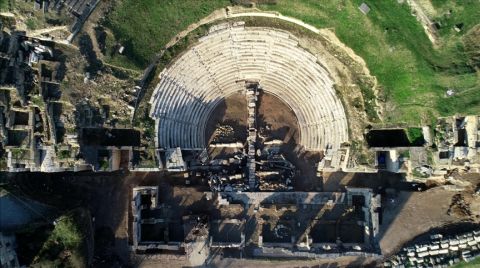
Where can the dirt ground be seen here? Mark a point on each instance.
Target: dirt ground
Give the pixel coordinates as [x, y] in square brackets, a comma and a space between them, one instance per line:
[107, 196]
[279, 118]
[406, 214]
[230, 111]
[336, 181]
[255, 263]
[412, 213]
[275, 121]
[283, 125]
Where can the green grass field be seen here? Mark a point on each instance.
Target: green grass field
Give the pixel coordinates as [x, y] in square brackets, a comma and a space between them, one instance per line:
[4, 5]
[147, 30]
[473, 264]
[412, 74]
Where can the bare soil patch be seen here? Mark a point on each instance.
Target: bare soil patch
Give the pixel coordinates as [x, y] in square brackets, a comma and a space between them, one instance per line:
[410, 214]
[276, 120]
[231, 111]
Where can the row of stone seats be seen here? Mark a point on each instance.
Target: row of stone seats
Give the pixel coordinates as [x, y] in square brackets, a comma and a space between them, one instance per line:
[218, 65]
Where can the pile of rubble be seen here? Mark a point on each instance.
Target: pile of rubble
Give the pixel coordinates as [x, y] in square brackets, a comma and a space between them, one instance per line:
[226, 174]
[459, 206]
[33, 121]
[439, 251]
[275, 173]
[458, 142]
[223, 133]
[227, 183]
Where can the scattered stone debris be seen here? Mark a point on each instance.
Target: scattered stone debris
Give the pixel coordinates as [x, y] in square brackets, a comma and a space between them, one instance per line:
[223, 134]
[459, 207]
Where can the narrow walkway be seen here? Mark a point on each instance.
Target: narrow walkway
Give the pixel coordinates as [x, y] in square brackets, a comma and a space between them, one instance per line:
[251, 95]
[47, 30]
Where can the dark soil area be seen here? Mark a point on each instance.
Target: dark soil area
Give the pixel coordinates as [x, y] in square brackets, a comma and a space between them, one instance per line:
[276, 120]
[231, 111]
[107, 196]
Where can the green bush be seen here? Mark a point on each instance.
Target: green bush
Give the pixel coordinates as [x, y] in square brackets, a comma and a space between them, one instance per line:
[415, 136]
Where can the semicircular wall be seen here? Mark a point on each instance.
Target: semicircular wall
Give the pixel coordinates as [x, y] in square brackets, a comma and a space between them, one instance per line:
[218, 66]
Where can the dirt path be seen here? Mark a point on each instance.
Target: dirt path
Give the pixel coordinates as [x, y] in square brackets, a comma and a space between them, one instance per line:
[421, 14]
[47, 30]
[91, 32]
[238, 12]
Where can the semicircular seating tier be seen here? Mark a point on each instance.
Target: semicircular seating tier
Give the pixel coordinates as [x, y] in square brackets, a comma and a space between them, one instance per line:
[218, 66]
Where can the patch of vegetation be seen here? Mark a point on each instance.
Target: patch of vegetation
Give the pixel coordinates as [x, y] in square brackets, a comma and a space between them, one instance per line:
[453, 13]
[19, 153]
[31, 24]
[148, 127]
[37, 100]
[66, 244]
[4, 5]
[430, 160]
[405, 154]
[63, 154]
[3, 163]
[472, 264]
[362, 156]
[155, 24]
[417, 174]
[472, 45]
[110, 47]
[103, 164]
[415, 136]
[147, 159]
[173, 51]
[369, 102]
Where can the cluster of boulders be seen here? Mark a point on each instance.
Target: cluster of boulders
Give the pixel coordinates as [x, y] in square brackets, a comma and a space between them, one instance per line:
[439, 251]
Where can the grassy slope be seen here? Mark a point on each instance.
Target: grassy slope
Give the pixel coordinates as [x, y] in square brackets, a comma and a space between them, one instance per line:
[147, 30]
[466, 12]
[412, 74]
